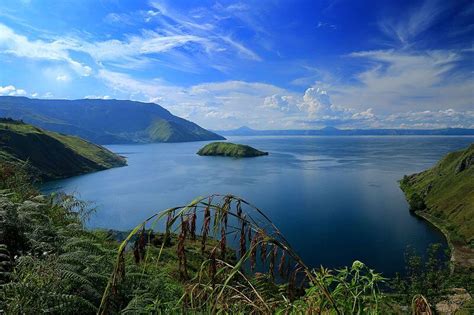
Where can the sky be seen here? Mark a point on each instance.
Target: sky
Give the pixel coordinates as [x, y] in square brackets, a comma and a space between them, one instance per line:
[266, 64]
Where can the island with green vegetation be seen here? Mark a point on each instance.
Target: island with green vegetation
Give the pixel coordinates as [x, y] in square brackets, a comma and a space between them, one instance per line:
[50, 155]
[444, 195]
[230, 149]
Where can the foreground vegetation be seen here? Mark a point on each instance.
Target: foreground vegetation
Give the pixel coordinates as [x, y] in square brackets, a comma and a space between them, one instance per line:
[444, 195]
[51, 263]
[52, 155]
[230, 149]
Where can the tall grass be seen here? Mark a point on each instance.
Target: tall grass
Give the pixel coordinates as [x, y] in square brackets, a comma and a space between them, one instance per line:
[224, 284]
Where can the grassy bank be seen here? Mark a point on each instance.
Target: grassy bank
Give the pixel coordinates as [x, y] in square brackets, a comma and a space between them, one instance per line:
[444, 195]
[51, 155]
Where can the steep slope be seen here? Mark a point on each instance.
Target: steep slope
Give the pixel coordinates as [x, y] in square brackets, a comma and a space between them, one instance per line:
[52, 155]
[444, 195]
[105, 121]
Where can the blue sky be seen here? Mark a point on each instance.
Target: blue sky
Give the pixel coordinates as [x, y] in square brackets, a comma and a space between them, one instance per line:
[264, 64]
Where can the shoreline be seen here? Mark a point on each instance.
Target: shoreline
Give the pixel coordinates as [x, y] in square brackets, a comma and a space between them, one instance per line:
[461, 255]
[438, 225]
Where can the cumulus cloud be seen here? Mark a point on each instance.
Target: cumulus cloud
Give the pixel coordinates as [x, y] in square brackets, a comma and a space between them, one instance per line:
[11, 90]
[317, 103]
[230, 104]
[283, 103]
[217, 105]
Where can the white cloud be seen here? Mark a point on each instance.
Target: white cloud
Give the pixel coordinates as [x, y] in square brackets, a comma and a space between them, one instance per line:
[326, 25]
[404, 29]
[241, 49]
[400, 81]
[431, 119]
[148, 43]
[280, 102]
[98, 97]
[316, 101]
[57, 50]
[11, 90]
[233, 102]
[63, 78]
[365, 115]
[395, 87]
[229, 104]
[200, 43]
[218, 39]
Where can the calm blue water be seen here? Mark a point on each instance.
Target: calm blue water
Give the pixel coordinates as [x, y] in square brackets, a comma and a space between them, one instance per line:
[336, 199]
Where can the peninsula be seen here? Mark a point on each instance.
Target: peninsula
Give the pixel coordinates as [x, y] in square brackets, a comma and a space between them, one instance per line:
[444, 196]
[50, 155]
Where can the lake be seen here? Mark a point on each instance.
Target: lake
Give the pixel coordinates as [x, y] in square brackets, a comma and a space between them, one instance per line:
[336, 199]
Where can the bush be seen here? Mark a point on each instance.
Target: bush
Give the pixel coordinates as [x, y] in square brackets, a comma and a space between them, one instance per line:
[417, 203]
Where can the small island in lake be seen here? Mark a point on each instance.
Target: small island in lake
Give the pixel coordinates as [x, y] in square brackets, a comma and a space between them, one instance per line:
[230, 149]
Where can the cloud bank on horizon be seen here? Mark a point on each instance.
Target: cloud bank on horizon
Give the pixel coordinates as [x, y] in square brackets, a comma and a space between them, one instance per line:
[264, 64]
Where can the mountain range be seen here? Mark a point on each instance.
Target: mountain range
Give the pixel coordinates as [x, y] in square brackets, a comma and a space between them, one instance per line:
[105, 121]
[331, 131]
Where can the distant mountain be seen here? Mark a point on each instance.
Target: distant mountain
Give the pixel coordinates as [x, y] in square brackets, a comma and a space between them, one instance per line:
[242, 131]
[331, 131]
[51, 155]
[105, 121]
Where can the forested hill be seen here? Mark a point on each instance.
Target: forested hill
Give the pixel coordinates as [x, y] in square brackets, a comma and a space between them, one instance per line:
[52, 155]
[105, 121]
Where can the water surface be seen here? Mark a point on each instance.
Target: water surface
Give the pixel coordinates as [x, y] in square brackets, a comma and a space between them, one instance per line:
[336, 199]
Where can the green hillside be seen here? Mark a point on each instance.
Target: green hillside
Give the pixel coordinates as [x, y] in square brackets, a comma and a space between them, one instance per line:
[444, 195]
[230, 149]
[52, 155]
[105, 121]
